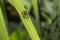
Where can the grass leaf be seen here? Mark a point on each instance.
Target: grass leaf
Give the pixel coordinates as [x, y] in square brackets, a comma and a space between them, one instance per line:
[3, 30]
[26, 20]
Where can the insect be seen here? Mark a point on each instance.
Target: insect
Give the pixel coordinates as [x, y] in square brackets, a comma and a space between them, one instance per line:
[26, 14]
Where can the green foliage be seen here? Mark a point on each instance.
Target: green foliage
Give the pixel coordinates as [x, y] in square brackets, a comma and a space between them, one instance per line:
[26, 20]
[3, 30]
[36, 10]
[40, 20]
[18, 35]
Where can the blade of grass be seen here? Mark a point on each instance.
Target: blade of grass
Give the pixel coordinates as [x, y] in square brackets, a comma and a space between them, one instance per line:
[3, 8]
[36, 10]
[26, 21]
[58, 4]
[36, 14]
[3, 31]
[48, 19]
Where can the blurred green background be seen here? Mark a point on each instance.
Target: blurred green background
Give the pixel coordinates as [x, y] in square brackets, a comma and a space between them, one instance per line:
[45, 15]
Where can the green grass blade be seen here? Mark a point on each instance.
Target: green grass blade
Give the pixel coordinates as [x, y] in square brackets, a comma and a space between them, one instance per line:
[36, 10]
[26, 21]
[3, 31]
[48, 19]
[58, 4]
[4, 11]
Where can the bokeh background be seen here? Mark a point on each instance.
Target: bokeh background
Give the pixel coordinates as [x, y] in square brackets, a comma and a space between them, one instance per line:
[47, 24]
